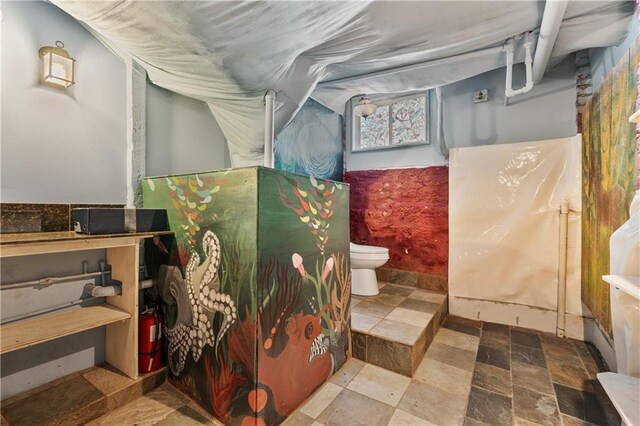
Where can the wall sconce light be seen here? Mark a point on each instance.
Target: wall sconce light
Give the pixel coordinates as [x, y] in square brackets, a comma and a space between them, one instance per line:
[365, 108]
[58, 67]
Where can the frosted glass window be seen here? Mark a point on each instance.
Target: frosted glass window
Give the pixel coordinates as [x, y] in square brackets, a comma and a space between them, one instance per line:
[374, 130]
[397, 122]
[408, 119]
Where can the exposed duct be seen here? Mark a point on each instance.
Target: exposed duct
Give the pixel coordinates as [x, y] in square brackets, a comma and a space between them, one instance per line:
[551, 21]
[554, 11]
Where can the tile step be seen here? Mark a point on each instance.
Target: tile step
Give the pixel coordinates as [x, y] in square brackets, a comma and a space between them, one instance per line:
[394, 328]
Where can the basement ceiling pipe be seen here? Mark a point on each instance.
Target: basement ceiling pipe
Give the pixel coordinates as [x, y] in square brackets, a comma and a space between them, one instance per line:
[509, 47]
[269, 120]
[551, 21]
[444, 150]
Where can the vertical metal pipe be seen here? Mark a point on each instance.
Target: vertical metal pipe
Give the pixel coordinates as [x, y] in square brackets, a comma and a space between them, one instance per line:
[101, 265]
[508, 82]
[562, 268]
[269, 119]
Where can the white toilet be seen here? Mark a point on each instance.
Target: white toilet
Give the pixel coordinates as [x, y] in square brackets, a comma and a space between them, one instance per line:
[624, 388]
[364, 261]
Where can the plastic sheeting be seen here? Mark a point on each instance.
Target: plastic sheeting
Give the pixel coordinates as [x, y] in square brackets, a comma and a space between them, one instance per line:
[229, 54]
[504, 205]
[625, 308]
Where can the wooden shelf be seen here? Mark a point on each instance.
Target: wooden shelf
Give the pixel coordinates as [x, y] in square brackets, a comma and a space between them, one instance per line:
[57, 242]
[25, 333]
[119, 314]
[635, 117]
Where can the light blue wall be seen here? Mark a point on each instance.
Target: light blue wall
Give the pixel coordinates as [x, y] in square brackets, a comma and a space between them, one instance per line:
[182, 135]
[604, 59]
[547, 112]
[59, 146]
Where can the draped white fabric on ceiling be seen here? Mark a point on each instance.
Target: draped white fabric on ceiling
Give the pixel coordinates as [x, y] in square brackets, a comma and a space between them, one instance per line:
[229, 54]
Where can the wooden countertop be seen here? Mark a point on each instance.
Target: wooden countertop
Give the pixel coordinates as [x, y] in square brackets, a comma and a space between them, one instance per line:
[57, 242]
[41, 237]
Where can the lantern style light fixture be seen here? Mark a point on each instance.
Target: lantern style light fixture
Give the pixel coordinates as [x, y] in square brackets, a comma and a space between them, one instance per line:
[58, 67]
[365, 108]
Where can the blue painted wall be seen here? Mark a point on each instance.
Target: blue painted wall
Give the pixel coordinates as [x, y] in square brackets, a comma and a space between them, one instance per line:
[312, 143]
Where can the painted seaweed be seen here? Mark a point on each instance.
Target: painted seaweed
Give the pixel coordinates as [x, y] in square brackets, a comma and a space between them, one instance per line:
[251, 332]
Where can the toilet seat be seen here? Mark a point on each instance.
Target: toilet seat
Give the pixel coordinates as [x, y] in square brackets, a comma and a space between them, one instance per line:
[380, 258]
[362, 249]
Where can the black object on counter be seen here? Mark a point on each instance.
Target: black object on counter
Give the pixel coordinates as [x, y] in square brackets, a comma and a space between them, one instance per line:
[118, 221]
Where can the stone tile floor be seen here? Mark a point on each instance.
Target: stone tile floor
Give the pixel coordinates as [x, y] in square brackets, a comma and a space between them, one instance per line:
[473, 373]
[393, 329]
[407, 309]
[164, 405]
[78, 398]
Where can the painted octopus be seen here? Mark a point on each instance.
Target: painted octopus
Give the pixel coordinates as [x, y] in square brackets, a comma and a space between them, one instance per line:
[198, 301]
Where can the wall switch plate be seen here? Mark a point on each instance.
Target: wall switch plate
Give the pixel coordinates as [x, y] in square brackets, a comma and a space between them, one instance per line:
[481, 95]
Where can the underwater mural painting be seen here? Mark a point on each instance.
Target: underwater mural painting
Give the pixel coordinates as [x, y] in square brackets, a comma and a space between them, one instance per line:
[255, 288]
[610, 163]
[311, 144]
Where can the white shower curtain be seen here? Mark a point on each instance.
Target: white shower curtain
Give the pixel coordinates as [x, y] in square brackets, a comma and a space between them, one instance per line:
[504, 204]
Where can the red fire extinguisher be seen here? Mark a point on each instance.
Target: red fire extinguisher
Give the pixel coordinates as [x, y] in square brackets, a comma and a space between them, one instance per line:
[150, 341]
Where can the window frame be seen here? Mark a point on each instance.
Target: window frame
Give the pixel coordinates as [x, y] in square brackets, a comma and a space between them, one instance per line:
[355, 123]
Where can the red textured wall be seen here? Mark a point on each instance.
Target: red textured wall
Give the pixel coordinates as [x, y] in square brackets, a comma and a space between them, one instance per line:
[405, 210]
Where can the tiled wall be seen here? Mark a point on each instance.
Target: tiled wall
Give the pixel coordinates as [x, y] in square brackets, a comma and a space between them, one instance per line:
[21, 217]
[405, 210]
[421, 280]
[610, 167]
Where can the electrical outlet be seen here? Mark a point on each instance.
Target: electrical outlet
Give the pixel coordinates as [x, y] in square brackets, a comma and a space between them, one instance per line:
[481, 95]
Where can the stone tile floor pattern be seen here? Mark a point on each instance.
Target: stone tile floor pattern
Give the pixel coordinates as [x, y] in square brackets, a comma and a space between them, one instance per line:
[164, 405]
[473, 373]
[406, 309]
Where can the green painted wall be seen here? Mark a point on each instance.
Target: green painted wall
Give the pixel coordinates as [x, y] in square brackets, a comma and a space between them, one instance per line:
[255, 287]
[609, 173]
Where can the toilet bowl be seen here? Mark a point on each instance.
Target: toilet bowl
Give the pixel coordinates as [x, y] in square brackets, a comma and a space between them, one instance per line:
[624, 280]
[364, 260]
